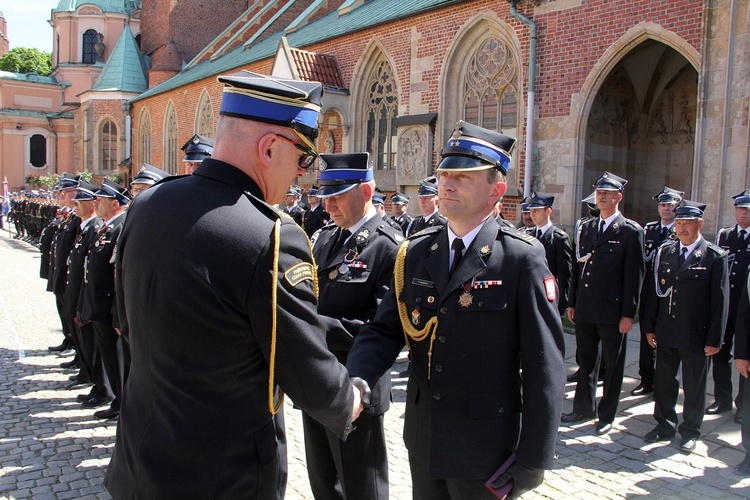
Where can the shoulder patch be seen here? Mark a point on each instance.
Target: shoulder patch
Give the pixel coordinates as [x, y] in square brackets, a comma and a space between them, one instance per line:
[301, 272]
[426, 231]
[517, 233]
[390, 231]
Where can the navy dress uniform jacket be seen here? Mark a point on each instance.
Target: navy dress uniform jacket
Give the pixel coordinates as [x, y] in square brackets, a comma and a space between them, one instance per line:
[469, 410]
[76, 261]
[98, 293]
[694, 314]
[739, 262]
[419, 223]
[606, 285]
[354, 297]
[194, 272]
[314, 219]
[45, 247]
[404, 221]
[559, 255]
[65, 238]
[742, 328]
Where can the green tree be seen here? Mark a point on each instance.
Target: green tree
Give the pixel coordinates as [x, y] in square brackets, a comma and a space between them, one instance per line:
[24, 60]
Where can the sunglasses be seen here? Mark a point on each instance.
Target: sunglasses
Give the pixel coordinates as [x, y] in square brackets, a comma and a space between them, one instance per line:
[308, 155]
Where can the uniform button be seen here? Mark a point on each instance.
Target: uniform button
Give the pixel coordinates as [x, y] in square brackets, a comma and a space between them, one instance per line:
[437, 396]
[441, 339]
[419, 299]
[673, 316]
[443, 310]
[732, 286]
[480, 304]
[588, 274]
[593, 251]
[676, 278]
[586, 285]
[439, 368]
[501, 410]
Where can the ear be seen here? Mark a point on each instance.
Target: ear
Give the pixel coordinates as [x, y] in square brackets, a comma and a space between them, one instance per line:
[367, 190]
[267, 150]
[499, 191]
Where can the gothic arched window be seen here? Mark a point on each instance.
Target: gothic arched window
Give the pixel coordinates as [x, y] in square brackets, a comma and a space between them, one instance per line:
[204, 120]
[38, 150]
[382, 111]
[144, 137]
[108, 146]
[490, 88]
[171, 146]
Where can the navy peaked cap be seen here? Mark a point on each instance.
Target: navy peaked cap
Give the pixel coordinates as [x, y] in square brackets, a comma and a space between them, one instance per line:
[669, 195]
[472, 147]
[341, 172]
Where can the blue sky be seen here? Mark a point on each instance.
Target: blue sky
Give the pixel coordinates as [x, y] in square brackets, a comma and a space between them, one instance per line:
[27, 23]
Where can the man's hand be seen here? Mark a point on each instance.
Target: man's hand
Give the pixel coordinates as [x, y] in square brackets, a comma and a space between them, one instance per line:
[651, 339]
[357, 406]
[119, 333]
[524, 479]
[710, 351]
[626, 324]
[743, 366]
[363, 394]
[572, 314]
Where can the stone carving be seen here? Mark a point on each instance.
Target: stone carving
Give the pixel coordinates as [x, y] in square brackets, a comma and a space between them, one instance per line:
[414, 150]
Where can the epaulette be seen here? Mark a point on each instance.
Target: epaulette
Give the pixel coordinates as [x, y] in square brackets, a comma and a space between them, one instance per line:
[716, 248]
[426, 231]
[516, 233]
[651, 224]
[269, 210]
[633, 224]
[391, 232]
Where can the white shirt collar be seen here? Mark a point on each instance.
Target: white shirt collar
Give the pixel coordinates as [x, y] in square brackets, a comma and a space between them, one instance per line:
[609, 219]
[545, 227]
[468, 239]
[86, 222]
[692, 246]
[356, 227]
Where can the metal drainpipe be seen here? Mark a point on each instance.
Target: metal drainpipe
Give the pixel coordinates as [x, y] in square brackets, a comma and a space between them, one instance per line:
[530, 106]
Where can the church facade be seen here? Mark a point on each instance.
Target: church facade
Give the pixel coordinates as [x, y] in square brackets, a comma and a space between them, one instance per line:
[655, 91]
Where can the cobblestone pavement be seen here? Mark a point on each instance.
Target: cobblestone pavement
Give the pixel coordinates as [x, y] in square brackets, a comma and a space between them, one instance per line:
[50, 448]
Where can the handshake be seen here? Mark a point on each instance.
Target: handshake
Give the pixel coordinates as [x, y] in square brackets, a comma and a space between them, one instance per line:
[361, 391]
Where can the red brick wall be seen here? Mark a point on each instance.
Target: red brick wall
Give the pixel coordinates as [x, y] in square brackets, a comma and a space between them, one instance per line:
[569, 45]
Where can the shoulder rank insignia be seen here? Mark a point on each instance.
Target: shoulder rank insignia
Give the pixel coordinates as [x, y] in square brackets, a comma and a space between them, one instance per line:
[434, 246]
[484, 250]
[362, 236]
[551, 288]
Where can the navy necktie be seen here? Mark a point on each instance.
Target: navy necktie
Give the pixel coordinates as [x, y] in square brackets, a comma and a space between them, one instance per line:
[743, 235]
[458, 253]
[683, 254]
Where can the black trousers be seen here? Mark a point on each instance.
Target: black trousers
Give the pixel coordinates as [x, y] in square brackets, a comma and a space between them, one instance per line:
[426, 488]
[353, 469]
[723, 370]
[646, 361]
[745, 428]
[613, 345]
[65, 324]
[667, 387]
[106, 343]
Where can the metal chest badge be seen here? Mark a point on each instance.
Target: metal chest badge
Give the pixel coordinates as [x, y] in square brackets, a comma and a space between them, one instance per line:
[465, 299]
[415, 315]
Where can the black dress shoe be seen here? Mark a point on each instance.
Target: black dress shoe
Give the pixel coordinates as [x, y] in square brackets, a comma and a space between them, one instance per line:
[603, 427]
[78, 384]
[82, 398]
[717, 408]
[743, 469]
[573, 377]
[95, 402]
[107, 414]
[73, 363]
[655, 436]
[642, 389]
[687, 445]
[573, 417]
[738, 417]
[59, 348]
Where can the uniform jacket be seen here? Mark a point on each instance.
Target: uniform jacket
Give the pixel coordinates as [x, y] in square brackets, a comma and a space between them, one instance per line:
[607, 272]
[194, 280]
[354, 296]
[296, 212]
[76, 260]
[419, 223]
[391, 222]
[742, 325]
[404, 222]
[98, 293]
[559, 255]
[465, 412]
[504, 222]
[652, 240]
[694, 314]
[739, 262]
[314, 219]
[45, 247]
[65, 238]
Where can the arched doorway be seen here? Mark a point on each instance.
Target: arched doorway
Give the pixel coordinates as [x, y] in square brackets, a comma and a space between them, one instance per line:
[641, 126]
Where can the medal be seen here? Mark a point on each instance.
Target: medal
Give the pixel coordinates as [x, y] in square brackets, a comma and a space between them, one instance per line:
[465, 299]
[332, 275]
[415, 316]
[343, 268]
